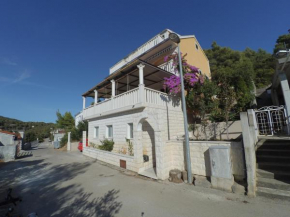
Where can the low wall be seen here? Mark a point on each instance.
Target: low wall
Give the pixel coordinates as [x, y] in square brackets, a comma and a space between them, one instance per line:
[74, 146]
[8, 152]
[200, 161]
[217, 131]
[111, 157]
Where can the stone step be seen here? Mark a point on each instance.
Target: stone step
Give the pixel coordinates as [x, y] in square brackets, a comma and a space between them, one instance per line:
[274, 159]
[274, 184]
[273, 193]
[273, 174]
[272, 152]
[274, 141]
[271, 146]
[282, 167]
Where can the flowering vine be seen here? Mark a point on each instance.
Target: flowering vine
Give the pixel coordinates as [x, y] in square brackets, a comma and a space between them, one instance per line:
[191, 75]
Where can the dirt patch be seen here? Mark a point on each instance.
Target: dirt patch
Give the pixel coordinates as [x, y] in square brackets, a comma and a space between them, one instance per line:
[64, 148]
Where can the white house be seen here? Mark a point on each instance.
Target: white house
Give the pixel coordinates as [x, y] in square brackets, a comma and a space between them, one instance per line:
[134, 106]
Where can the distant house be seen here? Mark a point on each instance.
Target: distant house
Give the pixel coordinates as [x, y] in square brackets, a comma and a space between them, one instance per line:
[135, 108]
[9, 138]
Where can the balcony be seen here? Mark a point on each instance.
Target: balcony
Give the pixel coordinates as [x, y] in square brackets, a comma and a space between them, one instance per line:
[158, 39]
[139, 97]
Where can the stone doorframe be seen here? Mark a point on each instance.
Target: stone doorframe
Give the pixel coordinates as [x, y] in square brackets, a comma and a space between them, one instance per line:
[159, 145]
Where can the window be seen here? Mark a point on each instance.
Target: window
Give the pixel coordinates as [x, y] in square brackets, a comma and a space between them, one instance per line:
[130, 131]
[196, 46]
[109, 133]
[96, 133]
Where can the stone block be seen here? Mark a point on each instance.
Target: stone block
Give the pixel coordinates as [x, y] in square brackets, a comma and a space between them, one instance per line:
[222, 183]
[238, 189]
[202, 181]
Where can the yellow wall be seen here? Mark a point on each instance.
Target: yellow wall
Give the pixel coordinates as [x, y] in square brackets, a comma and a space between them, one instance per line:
[195, 57]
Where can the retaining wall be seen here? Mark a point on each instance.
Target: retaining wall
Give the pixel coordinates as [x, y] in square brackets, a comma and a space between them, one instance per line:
[200, 160]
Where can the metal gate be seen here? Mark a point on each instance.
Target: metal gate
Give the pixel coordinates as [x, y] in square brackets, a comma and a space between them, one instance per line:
[271, 120]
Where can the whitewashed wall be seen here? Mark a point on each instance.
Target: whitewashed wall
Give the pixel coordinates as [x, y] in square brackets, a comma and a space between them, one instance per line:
[6, 139]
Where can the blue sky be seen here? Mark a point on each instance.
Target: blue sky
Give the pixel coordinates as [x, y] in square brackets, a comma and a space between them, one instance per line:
[52, 51]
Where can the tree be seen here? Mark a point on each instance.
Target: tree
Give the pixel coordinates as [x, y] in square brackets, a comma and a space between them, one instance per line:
[30, 136]
[237, 69]
[264, 66]
[65, 121]
[202, 101]
[77, 132]
[282, 42]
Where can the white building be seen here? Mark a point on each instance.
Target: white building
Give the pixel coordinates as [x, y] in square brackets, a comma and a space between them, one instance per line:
[134, 106]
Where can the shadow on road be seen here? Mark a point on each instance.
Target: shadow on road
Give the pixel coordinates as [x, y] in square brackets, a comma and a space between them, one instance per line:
[43, 190]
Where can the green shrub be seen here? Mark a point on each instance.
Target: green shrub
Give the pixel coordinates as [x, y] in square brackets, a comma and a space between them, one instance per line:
[107, 145]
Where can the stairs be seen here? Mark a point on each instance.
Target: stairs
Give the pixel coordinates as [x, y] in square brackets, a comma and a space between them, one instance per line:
[273, 168]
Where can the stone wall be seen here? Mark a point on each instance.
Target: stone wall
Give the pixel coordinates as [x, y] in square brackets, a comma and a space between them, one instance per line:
[200, 161]
[111, 157]
[8, 152]
[119, 122]
[217, 131]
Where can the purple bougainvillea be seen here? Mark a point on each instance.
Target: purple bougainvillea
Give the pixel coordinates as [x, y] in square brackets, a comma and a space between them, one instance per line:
[191, 75]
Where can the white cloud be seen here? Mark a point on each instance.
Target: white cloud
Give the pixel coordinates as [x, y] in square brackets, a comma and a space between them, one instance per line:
[21, 79]
[8, 62]
[24, 75]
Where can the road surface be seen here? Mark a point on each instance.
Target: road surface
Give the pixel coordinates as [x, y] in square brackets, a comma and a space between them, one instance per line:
[57, 183]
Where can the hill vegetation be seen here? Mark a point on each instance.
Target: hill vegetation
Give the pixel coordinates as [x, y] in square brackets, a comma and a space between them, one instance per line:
[33, 130]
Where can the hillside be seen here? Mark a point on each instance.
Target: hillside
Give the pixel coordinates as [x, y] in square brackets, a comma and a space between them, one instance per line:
[34, 129]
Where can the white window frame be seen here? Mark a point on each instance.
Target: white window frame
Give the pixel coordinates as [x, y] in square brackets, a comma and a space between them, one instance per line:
[95, 132]
[129, 131]
[107, 131]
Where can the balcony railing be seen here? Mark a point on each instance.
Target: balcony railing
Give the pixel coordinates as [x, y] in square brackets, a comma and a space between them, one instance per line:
[127, 101]
[145, 47]
[168, 66]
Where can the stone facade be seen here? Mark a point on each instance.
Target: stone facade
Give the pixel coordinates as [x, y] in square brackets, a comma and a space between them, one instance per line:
[155, 131]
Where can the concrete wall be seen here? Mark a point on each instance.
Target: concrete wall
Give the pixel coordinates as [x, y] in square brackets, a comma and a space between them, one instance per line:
[217, 131]
[200, 161]
[8, 152]
[6, 139]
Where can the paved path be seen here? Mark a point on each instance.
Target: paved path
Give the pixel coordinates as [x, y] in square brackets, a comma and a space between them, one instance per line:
[57, 183]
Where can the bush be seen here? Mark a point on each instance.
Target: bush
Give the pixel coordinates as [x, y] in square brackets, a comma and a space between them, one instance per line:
[107, 145]
[64, 140]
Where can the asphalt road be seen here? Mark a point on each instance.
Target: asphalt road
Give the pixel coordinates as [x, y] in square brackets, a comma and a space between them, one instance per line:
[57, 183]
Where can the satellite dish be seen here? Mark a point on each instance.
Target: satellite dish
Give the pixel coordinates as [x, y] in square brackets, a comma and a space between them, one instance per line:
[174, 37]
